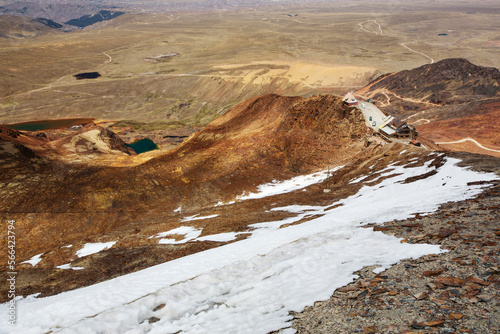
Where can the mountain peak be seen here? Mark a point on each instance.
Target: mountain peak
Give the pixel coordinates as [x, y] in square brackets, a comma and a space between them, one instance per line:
[457, 69]
[453, 80]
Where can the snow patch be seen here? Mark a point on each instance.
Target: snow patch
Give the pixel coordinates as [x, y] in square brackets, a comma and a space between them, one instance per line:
[68, 266]
[221, 237]
[220, 203]
[34, 260]
[283, 187]
[189, 232]
[91, 248]
[196, 217]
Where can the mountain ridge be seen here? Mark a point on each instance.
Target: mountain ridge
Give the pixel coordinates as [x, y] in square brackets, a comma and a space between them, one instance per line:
[261, 140]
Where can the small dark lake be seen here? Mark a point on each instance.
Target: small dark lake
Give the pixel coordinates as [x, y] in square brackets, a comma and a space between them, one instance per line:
[87, 75]
[143, 145]
[442, 34]
[49, 124]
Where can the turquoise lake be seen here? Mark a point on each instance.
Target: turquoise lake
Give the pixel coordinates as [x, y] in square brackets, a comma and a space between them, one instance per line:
[143, 145]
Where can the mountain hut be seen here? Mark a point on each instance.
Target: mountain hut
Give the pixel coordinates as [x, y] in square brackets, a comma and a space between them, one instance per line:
[350, 99]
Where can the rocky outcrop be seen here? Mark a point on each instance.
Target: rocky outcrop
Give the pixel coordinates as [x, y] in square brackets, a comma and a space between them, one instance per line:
[8, 132]
[92, 139]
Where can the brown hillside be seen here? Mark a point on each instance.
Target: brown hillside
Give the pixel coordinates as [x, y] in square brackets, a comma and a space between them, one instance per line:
[260, 140]
[56, 203]
[483, 127]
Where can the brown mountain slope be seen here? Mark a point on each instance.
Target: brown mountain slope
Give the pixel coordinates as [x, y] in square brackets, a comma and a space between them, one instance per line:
[453, 80]
[55, 203]
[262, 139]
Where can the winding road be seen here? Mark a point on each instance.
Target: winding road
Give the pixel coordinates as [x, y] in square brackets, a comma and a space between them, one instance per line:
[110, 59]
[468, 139]
[421, 53]
[380, 32]
[408, 99]
[427, 121]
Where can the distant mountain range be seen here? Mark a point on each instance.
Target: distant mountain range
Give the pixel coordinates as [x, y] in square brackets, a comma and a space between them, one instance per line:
[60, 12]
[21, 27]
[57, 16]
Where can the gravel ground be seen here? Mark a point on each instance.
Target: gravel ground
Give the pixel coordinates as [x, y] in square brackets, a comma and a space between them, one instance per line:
[453, 292]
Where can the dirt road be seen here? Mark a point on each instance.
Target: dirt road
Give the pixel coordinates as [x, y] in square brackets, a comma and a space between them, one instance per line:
[468, 139]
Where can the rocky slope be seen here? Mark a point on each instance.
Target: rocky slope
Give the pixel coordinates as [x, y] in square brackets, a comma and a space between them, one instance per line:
[453, 292]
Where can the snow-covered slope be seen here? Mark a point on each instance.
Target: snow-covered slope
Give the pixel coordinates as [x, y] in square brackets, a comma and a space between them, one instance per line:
[250, 286]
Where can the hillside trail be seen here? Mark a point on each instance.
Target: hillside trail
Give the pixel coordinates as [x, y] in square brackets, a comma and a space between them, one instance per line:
[465, 140]
[388, 102]
[409, 99]
[427, 121]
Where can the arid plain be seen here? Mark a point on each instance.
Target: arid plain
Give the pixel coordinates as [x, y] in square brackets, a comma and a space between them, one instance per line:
[211, 61]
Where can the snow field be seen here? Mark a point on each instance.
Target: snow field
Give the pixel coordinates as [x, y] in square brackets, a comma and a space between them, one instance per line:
[251, 285]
